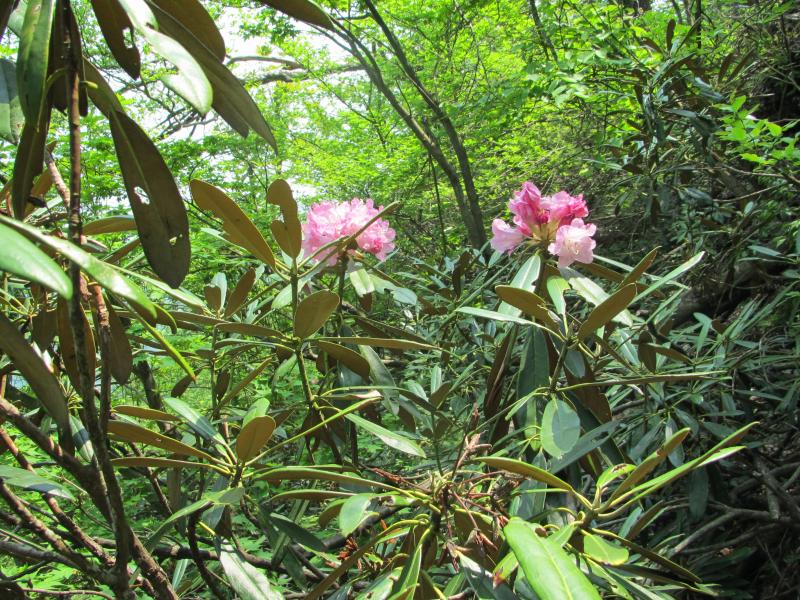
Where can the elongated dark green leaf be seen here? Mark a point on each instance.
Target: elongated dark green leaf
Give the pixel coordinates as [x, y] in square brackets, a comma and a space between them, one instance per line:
[313, 311]
[640, 268]
[142, 412]
[239, 228]
[11, 117]
[492, 315]
[520, 468]
[280, 194]
[194, 17]
[317, 474]
[390, 438]
[42, 381]
[194, 419]
[607, 310]
[114, 23]
[106, 275]
[239, 294]
[527, 302]
[353, 512]
[672, 275]
[29, 161]
[171, 350]
[390, 343]
[548, 569]
[129, 432]
[110, 225]
[121, 359]
[21, 257]
[209, 499]
[246, 380]
[349, 358]
[31, 481]
[649, 464]
[304, 10]
[248, 582]
[297, 533]
[155, 200]
[81, 439]
[251, 330]
[230, 98]
[189, 81]
[253, 437]
[33, 56]
[524, 279]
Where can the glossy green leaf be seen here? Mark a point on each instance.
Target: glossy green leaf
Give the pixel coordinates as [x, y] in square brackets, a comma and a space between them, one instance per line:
[114, 23]
[313, 311]
[561, 428]
[11, 117]
[316, 474]
[113, 224]
[198, 423]
[248, 582]
[253, 437]
[520, 468]
[548, 569]
[171, 350]
[525, 279]
[611, 308]
[42, 381]
[194, 17]
[604, 551]
[238, 226]
[353, 512]
[33, 56]
[672, 275]
[81, 439]
[21, 257]
[142, 412]
[297, 533]
[349, 358]
[362, 282]
[157, 462]
[154, 197]
[390, 343]
[129, 432]
[189, 81]
[390, 438]
[106, 275]
[27, 480]
[526, 302]
[230, 99]
[492, 315]
[304, 10]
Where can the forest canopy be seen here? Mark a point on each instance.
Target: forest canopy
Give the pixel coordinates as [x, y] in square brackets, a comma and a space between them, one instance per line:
[399, 299]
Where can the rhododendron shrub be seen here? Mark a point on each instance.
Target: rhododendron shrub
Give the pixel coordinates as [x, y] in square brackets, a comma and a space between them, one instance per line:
[553, 222]
[328, 222]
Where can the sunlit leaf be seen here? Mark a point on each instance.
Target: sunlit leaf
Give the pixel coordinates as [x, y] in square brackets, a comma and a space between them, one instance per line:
[547, 567]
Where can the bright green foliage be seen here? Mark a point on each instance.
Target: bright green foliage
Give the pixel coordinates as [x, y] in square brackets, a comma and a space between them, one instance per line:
[184, 389]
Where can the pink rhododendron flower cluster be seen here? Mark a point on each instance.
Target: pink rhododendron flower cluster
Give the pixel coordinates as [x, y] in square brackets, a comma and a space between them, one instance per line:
[327, 222]
[555, 221]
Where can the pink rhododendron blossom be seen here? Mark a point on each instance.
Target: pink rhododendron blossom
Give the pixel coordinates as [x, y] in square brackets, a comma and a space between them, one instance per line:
[563, 208]
[505, 237]
[554, 222]
[327, 222]
[573, 243]
[526, 206]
